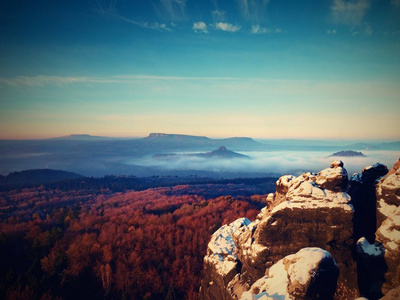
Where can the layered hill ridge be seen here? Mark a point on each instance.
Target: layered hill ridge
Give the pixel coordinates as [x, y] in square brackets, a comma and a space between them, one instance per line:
[312, 210]
[36, 176]
[202, 142]
[220, 153]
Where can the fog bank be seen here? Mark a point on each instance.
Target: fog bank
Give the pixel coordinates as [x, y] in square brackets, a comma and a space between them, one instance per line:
[279, 162]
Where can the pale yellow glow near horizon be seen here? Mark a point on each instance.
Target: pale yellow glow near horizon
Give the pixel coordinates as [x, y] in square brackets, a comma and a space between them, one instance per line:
[302, 126]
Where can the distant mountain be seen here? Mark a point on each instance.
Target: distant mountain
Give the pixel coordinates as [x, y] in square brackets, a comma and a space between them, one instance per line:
[80, 137]
[389, 146]
[220, 153]
[348, 153]
[177, 137]
[185, 142]
[35, 177]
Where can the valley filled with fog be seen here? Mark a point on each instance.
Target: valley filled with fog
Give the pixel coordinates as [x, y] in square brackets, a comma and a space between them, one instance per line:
[269, 162]
[183, 155]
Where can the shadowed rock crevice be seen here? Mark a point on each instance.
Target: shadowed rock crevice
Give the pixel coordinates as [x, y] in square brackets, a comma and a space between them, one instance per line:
[362, 188]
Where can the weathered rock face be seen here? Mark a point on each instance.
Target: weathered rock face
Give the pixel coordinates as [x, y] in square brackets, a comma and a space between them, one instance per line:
[311, 210]
[363, 197]
[388, 223]
[315, 212]
[221, 263]
[334, 178]
[311, 273]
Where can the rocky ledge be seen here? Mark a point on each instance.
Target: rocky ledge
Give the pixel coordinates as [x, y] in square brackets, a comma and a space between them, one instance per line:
[302, 243]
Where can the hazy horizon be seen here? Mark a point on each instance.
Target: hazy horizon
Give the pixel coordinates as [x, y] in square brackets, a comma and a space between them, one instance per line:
[264, 69]
[336, 141]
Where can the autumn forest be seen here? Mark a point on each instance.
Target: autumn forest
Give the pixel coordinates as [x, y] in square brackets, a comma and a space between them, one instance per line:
[66, 243]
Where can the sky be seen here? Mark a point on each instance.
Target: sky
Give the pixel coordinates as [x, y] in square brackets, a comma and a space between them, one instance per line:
[257, 68]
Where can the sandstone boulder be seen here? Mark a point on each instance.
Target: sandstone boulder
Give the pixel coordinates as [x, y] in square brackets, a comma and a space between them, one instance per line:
[334, 178]
[309, 216]
[311, 273]
[221, 263]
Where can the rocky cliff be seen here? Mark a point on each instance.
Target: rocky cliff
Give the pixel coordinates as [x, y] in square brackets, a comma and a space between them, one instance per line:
[311, 218]
[388, 224]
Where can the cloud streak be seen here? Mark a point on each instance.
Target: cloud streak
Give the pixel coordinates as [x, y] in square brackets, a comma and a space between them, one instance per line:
[253, 10]
[257, 29]
[111, 11]
[41, 80]
[173, 10]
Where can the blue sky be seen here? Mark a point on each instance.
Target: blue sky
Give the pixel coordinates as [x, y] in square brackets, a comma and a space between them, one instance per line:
[266, 69]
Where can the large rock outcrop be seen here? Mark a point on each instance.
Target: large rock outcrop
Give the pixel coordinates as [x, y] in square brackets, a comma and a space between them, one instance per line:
[311, 210]
[314, 212]
[388, 223]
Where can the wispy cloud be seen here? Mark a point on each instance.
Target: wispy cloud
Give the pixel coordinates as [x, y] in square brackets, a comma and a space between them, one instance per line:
[227, 27]
[350, 12]
[172, 10]
[41, 80]
[253, 10]
[331, 31]
[257, 29]
[363, 29]
[218, 16]
[110, 11]
[200, 27]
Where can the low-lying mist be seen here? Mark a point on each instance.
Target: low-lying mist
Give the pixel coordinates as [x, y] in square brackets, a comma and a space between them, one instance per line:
[274, 162]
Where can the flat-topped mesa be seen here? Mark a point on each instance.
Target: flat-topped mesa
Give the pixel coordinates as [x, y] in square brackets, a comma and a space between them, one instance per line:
[388, 223]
